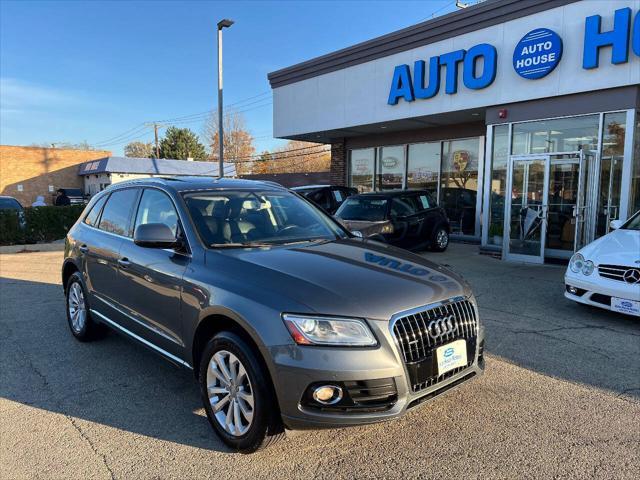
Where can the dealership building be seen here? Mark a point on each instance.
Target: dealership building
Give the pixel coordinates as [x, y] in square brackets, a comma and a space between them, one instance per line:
[521, 115]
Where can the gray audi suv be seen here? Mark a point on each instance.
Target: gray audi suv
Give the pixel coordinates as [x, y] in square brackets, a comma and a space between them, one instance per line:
[287, 320]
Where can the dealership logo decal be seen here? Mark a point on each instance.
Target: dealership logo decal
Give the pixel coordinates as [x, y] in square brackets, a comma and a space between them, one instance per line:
[395, 264]
[537, 53]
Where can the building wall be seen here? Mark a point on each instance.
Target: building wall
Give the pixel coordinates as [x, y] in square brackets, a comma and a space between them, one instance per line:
[357, 95]
[41, 171]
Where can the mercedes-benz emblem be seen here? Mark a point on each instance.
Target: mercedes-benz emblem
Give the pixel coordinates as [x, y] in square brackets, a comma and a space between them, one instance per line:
[632, 276]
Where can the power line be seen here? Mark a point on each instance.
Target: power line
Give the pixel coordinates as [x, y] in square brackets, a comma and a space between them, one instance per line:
[138, 129]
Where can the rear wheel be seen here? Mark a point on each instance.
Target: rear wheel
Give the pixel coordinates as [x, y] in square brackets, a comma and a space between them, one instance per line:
[82, 325]
[237, 397]
[440, 239]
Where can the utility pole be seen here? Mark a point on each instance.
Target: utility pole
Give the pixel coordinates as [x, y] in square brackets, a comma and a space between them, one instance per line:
[225, 23]
[156, 126]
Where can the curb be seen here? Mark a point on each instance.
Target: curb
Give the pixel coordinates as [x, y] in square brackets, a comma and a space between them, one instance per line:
[36, 247]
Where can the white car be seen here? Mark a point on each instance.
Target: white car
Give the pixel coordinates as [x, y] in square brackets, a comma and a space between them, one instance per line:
[606, 273]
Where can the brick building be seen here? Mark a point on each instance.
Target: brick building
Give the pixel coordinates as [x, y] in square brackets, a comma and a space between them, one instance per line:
[26, 172]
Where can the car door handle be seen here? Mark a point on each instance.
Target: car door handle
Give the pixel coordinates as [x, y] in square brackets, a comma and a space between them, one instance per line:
[124, 262]
[83, 249]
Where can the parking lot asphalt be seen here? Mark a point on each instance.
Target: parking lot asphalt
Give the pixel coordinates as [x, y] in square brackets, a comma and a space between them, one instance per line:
[560, 397]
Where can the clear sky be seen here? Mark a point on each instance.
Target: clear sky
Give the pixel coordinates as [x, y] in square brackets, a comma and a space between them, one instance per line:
[91, 71]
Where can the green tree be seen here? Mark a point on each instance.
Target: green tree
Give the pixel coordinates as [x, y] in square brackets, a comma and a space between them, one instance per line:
[139, 150]
[180, 144]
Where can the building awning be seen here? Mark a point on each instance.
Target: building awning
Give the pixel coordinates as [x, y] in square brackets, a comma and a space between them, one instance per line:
[154, 166]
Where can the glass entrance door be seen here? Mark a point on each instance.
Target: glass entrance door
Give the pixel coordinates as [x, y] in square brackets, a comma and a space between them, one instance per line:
[525, 224]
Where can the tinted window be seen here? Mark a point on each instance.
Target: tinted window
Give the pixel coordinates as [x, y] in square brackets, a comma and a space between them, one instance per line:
[403, 206]
[94, 213]
[116, 216]
[362, 208]
[9, 204]
[157, 207]
[321, 197]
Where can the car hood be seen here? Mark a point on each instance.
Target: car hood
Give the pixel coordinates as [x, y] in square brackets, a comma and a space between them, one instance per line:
[620, 247]
[350, 277]
[366, 228]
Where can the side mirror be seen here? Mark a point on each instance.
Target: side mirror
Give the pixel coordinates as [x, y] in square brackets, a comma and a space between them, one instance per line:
[357, 233]
[154, 235]
[615, 224]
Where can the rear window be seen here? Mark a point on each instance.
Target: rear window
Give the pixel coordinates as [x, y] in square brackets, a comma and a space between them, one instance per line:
[9, 204]
[116, 216]
[362, 208]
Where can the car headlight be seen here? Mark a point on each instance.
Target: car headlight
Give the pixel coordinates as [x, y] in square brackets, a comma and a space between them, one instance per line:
[576, 263]
[312, 330]
[587, 268]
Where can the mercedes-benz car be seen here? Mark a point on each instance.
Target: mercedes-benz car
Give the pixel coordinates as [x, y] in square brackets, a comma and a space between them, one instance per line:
[606, 273]
[287, 320]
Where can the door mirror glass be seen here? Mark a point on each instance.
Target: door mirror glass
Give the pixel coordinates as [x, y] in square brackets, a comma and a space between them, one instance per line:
[615, 224]
[154, 235]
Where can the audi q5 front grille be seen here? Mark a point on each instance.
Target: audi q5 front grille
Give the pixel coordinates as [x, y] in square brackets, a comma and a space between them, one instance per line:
[420, 333]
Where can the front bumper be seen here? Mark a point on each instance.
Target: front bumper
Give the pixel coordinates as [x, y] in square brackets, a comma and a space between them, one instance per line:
[597, 291]
[298, 367]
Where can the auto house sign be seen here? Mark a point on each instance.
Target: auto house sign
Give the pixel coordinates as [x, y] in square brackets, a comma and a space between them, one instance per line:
[535, 56]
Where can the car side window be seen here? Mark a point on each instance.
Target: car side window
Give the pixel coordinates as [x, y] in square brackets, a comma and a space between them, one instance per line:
[94, 213]
[338, 195]
[157, 207]
[402, 206]
[321, 197]
[116, 215]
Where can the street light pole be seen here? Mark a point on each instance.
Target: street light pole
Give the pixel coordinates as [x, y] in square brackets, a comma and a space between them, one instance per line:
[221, 24]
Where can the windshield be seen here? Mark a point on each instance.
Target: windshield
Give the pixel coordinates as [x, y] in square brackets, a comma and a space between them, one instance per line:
[9, 204]
[633, 223]
[231, 218]
[362, 208]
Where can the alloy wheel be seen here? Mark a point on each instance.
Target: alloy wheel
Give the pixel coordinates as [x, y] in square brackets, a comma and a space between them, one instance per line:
[230, 393]
[77, 307]
[442, 239]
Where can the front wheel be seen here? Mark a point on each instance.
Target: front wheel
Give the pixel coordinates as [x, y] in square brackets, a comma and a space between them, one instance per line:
[237, 396]
[440, 239]
[82, 325]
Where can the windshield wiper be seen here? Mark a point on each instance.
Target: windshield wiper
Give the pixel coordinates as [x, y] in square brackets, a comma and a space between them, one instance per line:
[240, 245]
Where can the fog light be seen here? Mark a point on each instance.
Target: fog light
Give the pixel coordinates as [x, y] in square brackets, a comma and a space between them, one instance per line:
[327, 394]
[572, 290]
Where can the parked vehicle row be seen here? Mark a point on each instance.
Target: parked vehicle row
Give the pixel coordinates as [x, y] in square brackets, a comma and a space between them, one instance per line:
[286, 318]
[409, 219]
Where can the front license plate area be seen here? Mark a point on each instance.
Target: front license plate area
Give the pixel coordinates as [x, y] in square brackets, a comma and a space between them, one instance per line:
[450, 356]
[622, 305]
[427, 369]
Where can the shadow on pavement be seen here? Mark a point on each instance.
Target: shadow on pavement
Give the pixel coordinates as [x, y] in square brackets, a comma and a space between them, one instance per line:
[111, 381]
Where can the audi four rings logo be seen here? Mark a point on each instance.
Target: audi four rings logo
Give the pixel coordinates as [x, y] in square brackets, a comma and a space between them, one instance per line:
[441, 327]
[631, 276]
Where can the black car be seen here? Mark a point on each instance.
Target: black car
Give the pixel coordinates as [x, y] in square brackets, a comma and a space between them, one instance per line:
[327, 197]
[410, 219]
[11, 204]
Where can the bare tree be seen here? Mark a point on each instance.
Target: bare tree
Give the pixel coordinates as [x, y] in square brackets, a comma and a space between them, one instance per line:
[139, 150]
[238, 142]
[295, 156]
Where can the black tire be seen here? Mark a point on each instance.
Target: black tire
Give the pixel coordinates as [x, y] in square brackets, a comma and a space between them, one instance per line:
[435, 244]
[90, 330]
[266, 427]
